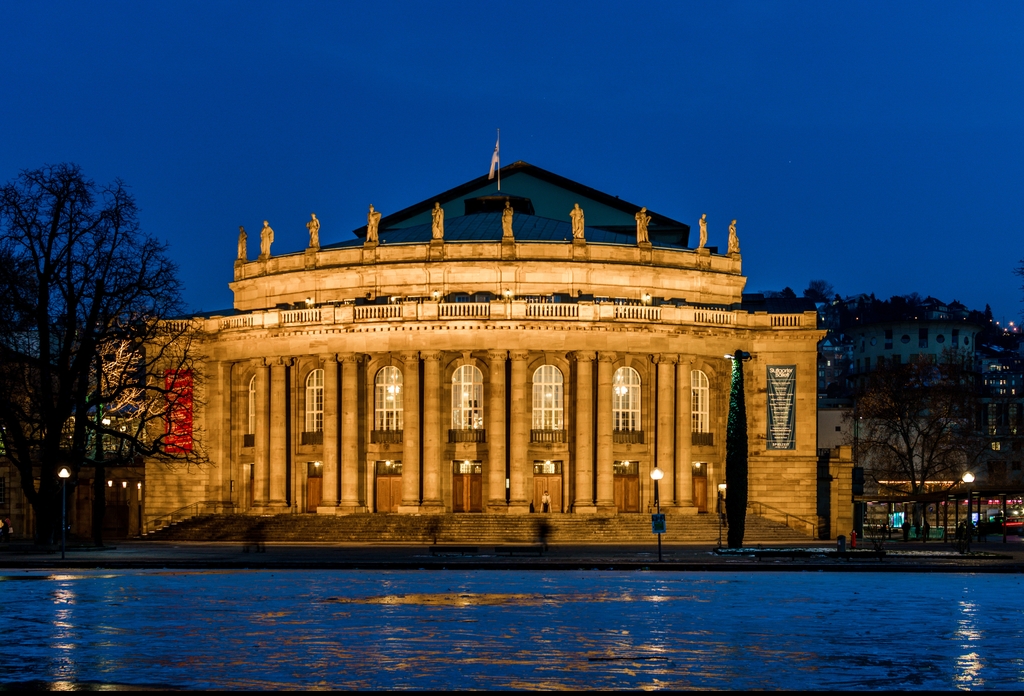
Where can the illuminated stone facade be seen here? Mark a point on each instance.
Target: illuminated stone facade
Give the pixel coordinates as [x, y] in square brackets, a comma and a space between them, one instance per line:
[481, 373]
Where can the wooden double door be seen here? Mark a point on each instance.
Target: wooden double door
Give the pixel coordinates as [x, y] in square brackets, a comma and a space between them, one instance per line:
[550, 484]
[700, 487]
[467, 487]
[627, 493]
[388, 493]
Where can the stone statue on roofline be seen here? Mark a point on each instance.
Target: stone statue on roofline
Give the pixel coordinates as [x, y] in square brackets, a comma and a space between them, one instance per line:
[314, 232]
[642, 220]
[734, 241]
[703, 231]
[266, 239]
[437, 222]
[372, 222]
[506, 221]
[576, 214]
[243, 239]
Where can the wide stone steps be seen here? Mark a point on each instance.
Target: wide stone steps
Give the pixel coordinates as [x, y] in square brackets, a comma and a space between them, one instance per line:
[476, 529]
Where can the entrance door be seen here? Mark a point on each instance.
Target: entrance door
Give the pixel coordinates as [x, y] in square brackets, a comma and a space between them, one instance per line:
[547, 477]
[389, 485]
[467, 486]
[700, 486]
[627, 486]
[314, 485]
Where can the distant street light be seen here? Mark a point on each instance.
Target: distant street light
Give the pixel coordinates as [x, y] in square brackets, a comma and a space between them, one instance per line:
[658, 520]
[721, 510]
[64, 474]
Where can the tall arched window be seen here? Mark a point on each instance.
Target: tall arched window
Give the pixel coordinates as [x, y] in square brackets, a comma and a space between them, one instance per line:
[701, 412]
[387, 399]
[467, 399]
[547, 398]
[251, 426]
[315, 402]
[626, 400]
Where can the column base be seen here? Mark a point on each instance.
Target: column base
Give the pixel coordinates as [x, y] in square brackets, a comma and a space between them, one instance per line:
[276, 508]
[683, 510]
[605, 510]
[409, 509]
[496, 507]
[349, 509]
[432, 507]
[518, 507]
[327, 510]
[585, 509]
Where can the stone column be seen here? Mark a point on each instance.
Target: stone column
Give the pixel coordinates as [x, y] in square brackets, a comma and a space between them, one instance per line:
[410, 433]
[584, 459]
[261, 448]
[332, 442]
[350, 434]
[496, 502]
[432, 446]
[519, 442]
[605, 461]
[279, 433]
[666, 427]
[684, 439]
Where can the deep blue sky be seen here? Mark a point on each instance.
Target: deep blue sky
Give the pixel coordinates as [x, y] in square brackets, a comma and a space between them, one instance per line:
[875, 145]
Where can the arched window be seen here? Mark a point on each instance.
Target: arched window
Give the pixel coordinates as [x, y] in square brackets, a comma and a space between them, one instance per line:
[387, 399]
[315, 402]
[251, 427]
[701, 412]
[467, 399]
[626, 400]
[547, 398]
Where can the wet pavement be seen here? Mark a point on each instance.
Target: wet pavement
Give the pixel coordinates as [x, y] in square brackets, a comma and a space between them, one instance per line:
[507, 629]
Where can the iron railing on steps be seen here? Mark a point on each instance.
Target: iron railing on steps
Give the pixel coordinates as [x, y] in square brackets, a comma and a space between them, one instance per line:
[794, 522]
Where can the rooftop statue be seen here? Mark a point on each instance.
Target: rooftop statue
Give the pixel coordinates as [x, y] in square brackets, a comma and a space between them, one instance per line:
[437, 222]
[314, 232]
[734, 241]
[372, 221]
[242, 243]
[266, 239]
[642, 220]
[703, 231]
[577, 221]
[506, 221]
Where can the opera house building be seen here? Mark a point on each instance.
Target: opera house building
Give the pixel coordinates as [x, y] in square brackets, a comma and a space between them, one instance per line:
[538, 348]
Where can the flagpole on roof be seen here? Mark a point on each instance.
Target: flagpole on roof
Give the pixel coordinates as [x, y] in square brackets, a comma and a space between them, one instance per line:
[496, 160]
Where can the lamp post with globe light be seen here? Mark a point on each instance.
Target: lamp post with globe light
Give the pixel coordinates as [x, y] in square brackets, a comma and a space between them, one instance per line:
[968, 479]
[657, 520]
[64, 474]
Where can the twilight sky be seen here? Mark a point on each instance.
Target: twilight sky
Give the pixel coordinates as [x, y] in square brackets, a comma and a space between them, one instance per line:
[874, 145]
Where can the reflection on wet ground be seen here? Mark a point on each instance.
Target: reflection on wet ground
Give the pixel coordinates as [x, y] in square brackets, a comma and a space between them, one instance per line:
[511, 629]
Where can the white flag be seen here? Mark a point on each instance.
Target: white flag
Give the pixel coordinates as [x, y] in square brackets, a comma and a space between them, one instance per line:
[494, 159]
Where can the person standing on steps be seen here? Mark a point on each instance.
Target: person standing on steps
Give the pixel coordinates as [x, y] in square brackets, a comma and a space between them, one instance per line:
[545, 502]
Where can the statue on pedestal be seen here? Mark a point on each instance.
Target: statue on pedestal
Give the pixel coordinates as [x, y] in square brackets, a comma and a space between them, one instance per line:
[576, 214]
[437, 222]
[372, 221]
[242, 243]
[266, 239]
[734, 241]
[314, 232]
[703, 231]
[506, 221]
[642, 220]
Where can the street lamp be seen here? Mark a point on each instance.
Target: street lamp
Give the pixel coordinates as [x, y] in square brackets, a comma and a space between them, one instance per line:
[721, 511]
[658, 521]
[64, 474]
[968, 478]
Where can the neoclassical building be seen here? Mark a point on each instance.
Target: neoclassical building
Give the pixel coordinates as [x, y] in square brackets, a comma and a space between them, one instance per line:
[498, 352]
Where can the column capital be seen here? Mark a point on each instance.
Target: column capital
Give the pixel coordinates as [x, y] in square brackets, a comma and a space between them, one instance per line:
[662, 359]
[431, 354]
[259, 362]
[350, 357]
[281, 362]
[607, 357]
[685, 359]
[583, 356]
[410, 356]
[328, 357]
[497, 355]
[519, 355]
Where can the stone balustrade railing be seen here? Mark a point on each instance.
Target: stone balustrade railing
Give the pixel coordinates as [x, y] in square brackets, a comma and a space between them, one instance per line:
[511, 310]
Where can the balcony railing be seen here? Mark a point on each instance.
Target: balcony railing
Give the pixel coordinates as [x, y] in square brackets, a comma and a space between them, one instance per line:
[376, 312]
[703, 439]
[638, 312]
[467, 435]
[628, 437]
[315, 437]
[389, 437]
[553, 310]
[547, 436]
[249, 440]
[300, 316]
[473, 310]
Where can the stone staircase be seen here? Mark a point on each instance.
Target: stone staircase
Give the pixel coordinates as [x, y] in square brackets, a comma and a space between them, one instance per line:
[475, 529]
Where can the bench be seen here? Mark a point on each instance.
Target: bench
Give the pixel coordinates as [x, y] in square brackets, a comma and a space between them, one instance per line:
[522, 550]
[453, 550]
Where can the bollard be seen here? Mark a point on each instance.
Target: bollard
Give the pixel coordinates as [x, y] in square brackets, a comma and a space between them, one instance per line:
[841, 544]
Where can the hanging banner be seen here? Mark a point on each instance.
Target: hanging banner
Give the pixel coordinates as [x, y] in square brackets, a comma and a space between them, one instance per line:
[178, 416]
[781, 407]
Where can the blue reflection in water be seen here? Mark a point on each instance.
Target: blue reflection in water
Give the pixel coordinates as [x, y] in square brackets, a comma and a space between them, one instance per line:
[512, 629]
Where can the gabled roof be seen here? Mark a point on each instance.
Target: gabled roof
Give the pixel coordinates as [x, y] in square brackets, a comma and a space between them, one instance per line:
[662, 228]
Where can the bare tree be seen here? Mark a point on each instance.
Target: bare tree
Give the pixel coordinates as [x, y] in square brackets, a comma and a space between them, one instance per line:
[86, 346]
[819, 291]
[916, 423]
